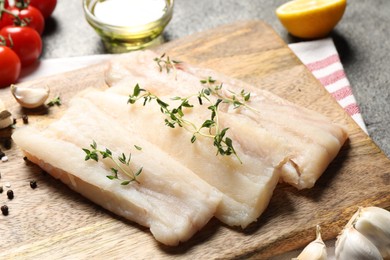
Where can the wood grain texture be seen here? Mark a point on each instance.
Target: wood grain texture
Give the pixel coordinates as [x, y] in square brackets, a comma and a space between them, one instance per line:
[54, 222]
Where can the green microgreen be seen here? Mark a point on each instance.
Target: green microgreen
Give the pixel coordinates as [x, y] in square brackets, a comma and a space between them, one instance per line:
[122, 163]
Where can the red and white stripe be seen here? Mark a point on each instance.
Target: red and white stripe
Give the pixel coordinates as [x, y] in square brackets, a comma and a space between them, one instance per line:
[322, 59]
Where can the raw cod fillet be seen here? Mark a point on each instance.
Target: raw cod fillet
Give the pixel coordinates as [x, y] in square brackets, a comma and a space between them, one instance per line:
[170, 198]
[247, 187]
[308, 140]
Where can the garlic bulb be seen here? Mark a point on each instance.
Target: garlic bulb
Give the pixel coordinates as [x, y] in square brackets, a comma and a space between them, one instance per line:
[30, 97]
[351, 244]
[374, 224]
[316, 250]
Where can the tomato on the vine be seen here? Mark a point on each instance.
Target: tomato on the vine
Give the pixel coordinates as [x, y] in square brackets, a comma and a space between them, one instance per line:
[30, 16]
[45, 6]
[6, 18]
[25, 42]
[9, 66]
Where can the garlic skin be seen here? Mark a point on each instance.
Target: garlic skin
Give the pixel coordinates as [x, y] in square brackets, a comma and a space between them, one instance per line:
[6, 119]
[315, 250]
[374, 223]
[351, 244]
[30, 97]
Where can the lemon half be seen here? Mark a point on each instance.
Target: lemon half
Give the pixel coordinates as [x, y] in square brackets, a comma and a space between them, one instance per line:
[311, 18]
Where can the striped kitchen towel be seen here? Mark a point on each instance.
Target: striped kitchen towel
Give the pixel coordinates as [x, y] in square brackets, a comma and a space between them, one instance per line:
[322, 59]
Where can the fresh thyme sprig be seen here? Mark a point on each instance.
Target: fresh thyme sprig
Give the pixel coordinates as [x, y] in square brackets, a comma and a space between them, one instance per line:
[55, 102]
[223, 143]
[175, 117]
[164, 62]
[236, 100]
[122, 160]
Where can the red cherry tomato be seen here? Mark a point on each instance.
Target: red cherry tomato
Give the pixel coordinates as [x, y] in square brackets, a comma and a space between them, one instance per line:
[31, 16]
[9, 66]
[45, 6]
[25, 42]
[6, 18]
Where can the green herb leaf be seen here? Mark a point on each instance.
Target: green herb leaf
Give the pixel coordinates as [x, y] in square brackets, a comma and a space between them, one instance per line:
[55, 102]
[138, 172]
[122, 158]
[137, 90]
[122, 163]
[166, 63]
[193, 139]
[208, 124]
[162, 103]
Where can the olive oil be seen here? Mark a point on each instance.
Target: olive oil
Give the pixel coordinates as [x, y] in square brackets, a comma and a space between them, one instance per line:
[126, 25]
[129, 12]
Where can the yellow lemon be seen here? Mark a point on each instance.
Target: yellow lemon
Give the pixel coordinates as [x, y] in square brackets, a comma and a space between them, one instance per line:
[311, 18]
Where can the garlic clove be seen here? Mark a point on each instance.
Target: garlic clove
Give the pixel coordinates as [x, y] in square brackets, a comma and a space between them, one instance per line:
[30, 97]
[351, 244]
[374, 223]
[315, 250]
[5, 119]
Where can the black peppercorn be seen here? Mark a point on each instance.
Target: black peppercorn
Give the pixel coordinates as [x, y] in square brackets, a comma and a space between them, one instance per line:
[4, 210]
[25, 119]
[1, 189]
[10, 194]
[7, 143]
[33, 184]
[2, 154]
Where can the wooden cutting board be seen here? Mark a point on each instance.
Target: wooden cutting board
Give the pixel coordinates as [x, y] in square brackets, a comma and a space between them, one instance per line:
[54, 222]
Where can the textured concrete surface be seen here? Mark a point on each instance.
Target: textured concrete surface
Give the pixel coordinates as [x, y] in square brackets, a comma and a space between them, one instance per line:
[362, 38]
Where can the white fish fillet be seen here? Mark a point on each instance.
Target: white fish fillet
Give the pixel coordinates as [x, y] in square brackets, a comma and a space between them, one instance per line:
[170, 198]
[308, 140]
[247, 186]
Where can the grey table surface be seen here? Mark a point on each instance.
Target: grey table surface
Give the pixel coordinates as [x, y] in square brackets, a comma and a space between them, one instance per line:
[362, 39]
